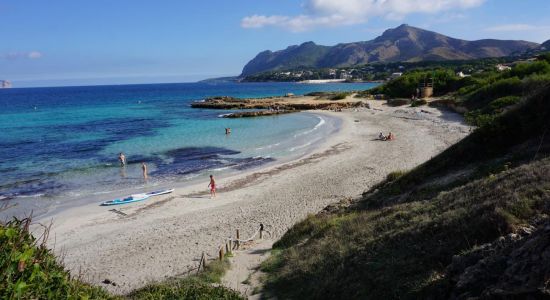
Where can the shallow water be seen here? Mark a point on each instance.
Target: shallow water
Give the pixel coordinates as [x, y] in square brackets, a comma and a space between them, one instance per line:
[64, 142]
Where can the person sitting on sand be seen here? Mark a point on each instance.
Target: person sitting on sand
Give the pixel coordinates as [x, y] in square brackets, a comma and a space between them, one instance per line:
[122, 159]
[390, 137]
[381, 136]
[212, 186]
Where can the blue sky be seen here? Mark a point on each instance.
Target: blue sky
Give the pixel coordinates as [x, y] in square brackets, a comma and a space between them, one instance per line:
[63, 42]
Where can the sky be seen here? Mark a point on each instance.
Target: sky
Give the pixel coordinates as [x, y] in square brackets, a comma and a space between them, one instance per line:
[72, 42]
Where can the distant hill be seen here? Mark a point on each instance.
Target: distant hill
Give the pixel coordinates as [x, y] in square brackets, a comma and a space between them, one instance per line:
[403, 43]
[546, 45]
[220, 79]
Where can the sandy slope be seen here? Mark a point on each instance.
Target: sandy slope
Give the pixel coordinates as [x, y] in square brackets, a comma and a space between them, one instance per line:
[165, 237]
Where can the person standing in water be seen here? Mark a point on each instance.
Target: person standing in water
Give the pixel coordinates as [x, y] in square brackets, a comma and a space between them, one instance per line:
[144, 169]
[122, 159]
[212, 186]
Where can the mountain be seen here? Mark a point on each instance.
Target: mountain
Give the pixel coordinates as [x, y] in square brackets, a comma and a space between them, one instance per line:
[305, 55]
[546, 45]
[403, 43]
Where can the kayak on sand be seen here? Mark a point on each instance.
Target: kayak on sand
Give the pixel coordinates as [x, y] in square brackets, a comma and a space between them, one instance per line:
[136, 197]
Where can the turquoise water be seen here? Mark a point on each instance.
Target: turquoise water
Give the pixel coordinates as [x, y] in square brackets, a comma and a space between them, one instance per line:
[64, 142]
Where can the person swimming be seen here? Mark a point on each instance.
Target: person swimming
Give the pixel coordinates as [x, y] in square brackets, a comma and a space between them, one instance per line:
[227, 130]
[212, 186]
[122, 159]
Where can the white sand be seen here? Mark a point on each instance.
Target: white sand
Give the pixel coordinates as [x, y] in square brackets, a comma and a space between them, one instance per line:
[165, 237]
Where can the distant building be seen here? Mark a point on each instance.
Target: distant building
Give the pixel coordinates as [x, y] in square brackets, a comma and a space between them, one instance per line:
[396, 75]
[345, 75]
[5, 84]
[501, 68]
[462, 75]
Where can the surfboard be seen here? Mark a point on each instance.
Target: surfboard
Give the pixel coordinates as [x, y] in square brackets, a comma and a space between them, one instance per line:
[136, 197]
[161, 192]
[129, 199]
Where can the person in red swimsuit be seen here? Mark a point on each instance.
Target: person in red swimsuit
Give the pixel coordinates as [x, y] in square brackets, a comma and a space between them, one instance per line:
[212, 186]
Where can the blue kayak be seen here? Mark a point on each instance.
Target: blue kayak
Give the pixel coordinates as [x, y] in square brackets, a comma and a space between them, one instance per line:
[136, 198]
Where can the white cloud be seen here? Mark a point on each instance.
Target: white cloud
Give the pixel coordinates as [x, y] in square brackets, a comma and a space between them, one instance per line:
[257, 21]
[323, 13]
[21, 55]
[34, 55]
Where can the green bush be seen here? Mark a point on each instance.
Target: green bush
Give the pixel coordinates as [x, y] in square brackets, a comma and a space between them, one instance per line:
[395, 175]
[545, 57]
[186, 289]
[500, 88]
[530, 68]
[404, 86]
[30, 271]
[398, 102]
[340, 96]
[504, 102]
[419, 102]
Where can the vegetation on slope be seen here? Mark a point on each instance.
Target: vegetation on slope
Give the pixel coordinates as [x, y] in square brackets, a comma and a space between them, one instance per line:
[28, 270]
[457, 226]
[484, 95]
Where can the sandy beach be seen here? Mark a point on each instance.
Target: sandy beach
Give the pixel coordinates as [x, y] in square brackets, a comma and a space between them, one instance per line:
[164, 237]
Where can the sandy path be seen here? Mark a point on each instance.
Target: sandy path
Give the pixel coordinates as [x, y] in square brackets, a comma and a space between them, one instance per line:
[165, 238]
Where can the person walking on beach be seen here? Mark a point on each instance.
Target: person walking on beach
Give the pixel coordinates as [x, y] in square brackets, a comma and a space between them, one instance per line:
[212, 186]
[122, 159]
[144, 169]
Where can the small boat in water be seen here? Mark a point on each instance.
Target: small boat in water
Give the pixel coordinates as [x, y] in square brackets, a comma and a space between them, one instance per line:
[136, 197]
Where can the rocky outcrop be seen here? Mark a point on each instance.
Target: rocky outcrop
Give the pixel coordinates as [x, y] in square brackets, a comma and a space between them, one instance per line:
[261, 113]
[275, 104]
[516, 266]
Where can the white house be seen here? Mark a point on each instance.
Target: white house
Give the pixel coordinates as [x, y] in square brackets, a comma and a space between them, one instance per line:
[396, 75]
[501, 68]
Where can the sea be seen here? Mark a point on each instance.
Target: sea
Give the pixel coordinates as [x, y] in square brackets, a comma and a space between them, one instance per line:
[63, 142]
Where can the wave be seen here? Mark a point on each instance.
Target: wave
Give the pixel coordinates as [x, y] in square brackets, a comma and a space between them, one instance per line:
[317, 126]
[299, 147]
[31, 195]
[268, 146]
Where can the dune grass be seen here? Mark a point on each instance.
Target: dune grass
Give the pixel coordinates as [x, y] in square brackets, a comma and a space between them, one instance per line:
[29, 270]
[398, 240]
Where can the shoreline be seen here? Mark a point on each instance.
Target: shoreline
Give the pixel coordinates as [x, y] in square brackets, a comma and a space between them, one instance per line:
[164, 238]
[196, 187]
[43, 208]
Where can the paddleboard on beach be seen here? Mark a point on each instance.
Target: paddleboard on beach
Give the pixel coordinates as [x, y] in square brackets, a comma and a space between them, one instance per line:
[136, 197]
[161, 192]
